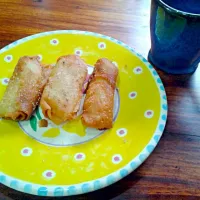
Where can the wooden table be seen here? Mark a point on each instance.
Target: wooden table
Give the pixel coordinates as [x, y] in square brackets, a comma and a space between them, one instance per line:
[173, 170]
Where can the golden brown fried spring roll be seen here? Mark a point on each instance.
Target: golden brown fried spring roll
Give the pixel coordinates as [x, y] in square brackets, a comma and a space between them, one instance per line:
[24, 90]
[98, 105]
[62, 95]
[46, 73]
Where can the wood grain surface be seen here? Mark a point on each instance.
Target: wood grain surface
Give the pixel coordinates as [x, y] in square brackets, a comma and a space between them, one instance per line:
[173, 169]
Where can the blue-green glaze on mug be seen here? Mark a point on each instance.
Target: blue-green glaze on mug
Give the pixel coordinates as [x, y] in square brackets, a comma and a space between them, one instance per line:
[175, 35]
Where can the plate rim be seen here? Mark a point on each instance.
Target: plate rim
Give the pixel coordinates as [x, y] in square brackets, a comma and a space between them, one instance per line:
[89, 186]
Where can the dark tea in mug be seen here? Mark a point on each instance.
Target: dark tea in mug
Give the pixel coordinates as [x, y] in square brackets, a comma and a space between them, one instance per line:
[175, 35]
[191, 6]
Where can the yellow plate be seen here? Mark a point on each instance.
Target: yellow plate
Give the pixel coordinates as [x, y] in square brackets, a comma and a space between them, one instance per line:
[70, 159]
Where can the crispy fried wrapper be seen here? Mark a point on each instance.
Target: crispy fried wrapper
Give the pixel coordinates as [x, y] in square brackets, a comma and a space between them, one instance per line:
[99, 101]
[62, 95]
[24, 89]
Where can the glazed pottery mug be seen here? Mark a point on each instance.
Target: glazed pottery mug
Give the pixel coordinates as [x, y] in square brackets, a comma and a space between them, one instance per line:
[175, 35]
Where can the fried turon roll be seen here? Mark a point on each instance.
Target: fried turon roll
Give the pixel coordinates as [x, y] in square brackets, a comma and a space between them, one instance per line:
[24, 89]
[62, 95]
[98, 105]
